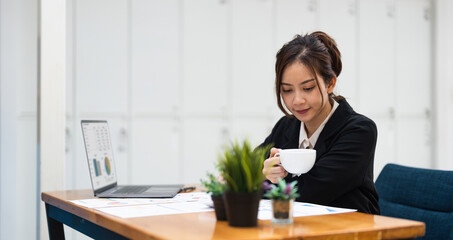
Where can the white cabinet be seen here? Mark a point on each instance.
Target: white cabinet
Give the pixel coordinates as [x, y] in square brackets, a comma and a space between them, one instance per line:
[339, 20]
[376, 81]
[413, 59]
[254, 129]
[252, 58]
[413, 142]
[203, 140]
[120, 134]
[179, 79]
[99, 81]
[101, 56]
[294, 17]
[155, 56]
[376, 63]
[386, 147]
[205, 56]
[156, 92]
[291, 17]
[394, 73]
[413, 84]
[155, 151]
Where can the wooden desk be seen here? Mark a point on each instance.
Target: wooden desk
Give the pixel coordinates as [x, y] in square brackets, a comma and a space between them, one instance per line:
[100, 225]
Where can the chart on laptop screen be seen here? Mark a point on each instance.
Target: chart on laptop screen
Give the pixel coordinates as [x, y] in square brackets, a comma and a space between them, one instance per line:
[99, 153]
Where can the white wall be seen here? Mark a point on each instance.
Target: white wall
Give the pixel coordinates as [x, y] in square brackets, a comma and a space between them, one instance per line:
[19, 197]
[176, 76]
[443, 90]
[51, 115]
[141, 63]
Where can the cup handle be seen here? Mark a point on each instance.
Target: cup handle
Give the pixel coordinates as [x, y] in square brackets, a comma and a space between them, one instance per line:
[277, 155]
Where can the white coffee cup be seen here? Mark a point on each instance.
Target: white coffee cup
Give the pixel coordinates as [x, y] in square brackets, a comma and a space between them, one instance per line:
[297, 161]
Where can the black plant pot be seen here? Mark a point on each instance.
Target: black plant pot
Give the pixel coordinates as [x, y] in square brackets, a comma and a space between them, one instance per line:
[242, 208]
[219, 207]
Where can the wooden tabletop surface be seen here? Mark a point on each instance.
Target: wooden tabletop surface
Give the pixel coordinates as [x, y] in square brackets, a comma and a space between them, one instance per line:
[353, 225]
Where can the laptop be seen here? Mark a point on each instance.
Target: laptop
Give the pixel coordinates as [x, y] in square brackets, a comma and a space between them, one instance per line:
[102, 167]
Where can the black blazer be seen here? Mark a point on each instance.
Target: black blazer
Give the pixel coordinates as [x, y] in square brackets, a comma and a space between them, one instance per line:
[343, 172]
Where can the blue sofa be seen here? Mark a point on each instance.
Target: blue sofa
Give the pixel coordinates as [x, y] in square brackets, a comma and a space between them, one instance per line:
[424, 195]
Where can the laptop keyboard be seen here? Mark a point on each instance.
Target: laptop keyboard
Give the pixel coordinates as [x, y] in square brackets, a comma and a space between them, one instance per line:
[131, 189]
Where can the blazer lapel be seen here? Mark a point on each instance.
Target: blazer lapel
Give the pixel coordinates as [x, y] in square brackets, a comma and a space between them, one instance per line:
[292, 135]
[331, 128]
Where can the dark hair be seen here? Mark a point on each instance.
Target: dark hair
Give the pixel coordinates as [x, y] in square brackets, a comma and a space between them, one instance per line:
[318, 52]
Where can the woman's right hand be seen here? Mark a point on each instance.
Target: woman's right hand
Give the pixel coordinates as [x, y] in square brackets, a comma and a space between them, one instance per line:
[272, 168]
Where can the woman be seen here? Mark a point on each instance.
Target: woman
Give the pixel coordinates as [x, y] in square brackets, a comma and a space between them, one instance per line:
[306, 73]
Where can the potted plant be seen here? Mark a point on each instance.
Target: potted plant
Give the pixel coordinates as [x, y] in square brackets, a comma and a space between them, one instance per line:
[282, 197]
[216, 188]
[241, 168]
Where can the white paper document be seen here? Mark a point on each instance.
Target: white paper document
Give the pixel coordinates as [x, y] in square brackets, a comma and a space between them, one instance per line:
[189, 203]
[157, 209]
[300, 209]
[121, 202]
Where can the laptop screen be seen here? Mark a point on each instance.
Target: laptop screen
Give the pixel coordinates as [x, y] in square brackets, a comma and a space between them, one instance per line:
[99, 151]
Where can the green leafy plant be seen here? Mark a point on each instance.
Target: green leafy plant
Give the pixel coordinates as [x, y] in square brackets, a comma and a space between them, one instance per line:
[281, 191]
[213, 185]
[241, 167]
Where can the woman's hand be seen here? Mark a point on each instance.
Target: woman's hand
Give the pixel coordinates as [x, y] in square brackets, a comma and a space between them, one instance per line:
[272, 168]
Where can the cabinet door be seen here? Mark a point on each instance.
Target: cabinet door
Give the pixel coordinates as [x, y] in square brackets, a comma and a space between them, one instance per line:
[155, 151]
[205, 39]
[413, 56]
[339, 20]
[413, 142]
[293, 17]
[203, 141]
[101, 56]
[254, 129]
[252, 57]
[377, 58]
[155, 56]
[377, 74]
[121, 148]
[386, 143]
[413, 84]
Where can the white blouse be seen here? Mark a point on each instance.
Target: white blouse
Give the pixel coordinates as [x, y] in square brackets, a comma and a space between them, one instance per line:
[304, 141]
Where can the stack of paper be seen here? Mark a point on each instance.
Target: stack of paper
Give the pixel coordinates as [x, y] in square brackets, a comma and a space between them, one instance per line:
[189, 203]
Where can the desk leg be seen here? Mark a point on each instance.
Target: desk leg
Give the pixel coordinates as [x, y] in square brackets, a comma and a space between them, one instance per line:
[56, 230]
[56, 217]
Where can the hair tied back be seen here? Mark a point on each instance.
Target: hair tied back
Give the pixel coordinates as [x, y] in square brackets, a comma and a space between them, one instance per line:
[331, 46]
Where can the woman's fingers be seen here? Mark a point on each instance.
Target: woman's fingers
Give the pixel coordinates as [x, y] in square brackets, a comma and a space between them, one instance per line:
[274, 151]
[272, 169]
[270, 162]
[275, 173]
